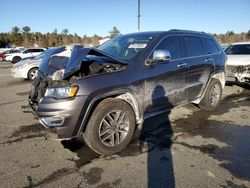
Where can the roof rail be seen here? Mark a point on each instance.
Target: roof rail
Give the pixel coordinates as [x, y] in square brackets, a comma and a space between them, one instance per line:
[190, 31]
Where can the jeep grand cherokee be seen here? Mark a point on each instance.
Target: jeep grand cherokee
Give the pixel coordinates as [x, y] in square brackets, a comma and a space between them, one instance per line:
[102, 93]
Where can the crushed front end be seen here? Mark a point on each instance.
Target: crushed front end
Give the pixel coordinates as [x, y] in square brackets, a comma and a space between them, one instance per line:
[238, 73]
[56, 97]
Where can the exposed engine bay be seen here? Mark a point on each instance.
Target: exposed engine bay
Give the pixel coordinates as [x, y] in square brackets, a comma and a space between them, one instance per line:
[61, 66]
[93, 66]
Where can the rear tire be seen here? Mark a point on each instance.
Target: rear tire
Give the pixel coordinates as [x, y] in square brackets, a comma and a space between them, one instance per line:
[16, 59]
[212, 97]
[111, 127]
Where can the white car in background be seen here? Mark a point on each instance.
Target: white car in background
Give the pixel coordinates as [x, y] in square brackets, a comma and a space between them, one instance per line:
[238, 64]
[27, 68]
[29, 52]
[224, 46]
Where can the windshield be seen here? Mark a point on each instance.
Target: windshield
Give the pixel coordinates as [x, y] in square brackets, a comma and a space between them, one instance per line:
[241, 49]
[125, 47]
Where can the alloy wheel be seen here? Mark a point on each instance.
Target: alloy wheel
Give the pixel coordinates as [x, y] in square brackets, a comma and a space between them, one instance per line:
[214, 95]
[114, 128]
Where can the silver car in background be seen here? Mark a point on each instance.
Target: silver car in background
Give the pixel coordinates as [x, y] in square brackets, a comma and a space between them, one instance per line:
[27, 68]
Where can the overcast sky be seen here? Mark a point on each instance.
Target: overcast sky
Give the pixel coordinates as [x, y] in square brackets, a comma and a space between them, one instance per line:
[99, 16]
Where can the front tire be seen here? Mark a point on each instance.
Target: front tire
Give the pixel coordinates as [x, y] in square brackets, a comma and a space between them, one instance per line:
[111, 127]
[212, 97]
[32, 74]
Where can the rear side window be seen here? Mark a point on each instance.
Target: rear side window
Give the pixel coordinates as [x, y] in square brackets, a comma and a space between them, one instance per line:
[239, 49]
[172, 44]
[194, 46]
[211, 47]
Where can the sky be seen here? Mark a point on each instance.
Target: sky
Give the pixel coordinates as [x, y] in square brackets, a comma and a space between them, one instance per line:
[89, 17]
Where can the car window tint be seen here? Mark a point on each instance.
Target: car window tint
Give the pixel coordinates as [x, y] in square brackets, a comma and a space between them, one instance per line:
[211, 46]
[126, 47]
[172, 44]
[245, 49]
[194, 46]
[34, 50]
[238, 49]
[233, 49]
[26, 51]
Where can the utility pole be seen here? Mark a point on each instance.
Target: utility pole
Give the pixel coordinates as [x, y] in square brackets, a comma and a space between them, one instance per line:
[139, 16]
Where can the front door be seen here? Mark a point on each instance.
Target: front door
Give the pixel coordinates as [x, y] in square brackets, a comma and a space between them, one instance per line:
[166, 81]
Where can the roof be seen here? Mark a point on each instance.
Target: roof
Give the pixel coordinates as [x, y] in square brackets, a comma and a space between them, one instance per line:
[246, 42]
[172, 31]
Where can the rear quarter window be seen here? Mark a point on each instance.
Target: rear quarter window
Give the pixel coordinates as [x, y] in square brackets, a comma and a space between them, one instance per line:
[194, 46]
[211, 47]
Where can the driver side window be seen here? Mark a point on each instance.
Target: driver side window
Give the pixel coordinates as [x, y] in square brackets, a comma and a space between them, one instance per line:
[172, 44]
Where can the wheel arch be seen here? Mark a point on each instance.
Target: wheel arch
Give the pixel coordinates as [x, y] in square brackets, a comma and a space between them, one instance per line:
[219, 75]
[124, 95]
[30, 70]
[15, 57]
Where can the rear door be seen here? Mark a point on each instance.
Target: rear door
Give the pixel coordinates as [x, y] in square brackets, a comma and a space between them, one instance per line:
[166, 81]
[200, 65]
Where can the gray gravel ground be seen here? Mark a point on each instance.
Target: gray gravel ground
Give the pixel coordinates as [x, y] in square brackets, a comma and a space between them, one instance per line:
[186, 148]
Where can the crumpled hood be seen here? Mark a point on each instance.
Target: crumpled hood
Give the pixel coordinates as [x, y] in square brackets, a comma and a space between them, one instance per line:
[238, 60]
[79, 53]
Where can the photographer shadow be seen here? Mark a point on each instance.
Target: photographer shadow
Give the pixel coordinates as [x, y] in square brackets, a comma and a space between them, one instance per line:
[156, 140]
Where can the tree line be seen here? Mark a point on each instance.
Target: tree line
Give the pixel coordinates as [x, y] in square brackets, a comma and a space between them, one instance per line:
[230, 37]
[24, 37]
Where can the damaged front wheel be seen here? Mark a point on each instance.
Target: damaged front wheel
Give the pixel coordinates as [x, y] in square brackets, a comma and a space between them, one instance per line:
[111, 127]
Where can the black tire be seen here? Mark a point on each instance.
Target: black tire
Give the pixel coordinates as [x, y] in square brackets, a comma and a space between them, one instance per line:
[16, 59]
[31, 73]
[212, 97]
[98, 120]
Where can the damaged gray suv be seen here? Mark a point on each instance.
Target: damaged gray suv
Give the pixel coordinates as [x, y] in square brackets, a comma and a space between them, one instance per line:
[103, 93]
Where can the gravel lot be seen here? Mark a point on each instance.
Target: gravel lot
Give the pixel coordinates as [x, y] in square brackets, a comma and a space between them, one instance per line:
[186, 148]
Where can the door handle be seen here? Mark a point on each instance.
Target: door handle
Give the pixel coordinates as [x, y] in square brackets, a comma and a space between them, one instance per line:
[210, 59]
[181, 65]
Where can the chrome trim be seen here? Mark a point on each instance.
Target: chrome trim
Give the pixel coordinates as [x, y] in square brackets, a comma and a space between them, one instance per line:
[182, 65]
[48, 125]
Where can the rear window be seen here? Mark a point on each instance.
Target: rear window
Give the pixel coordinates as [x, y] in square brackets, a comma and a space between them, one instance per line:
[194, 46]
[239, 49]
[211, 47]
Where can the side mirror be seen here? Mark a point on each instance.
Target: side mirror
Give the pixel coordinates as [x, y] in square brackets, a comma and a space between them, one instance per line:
[159, 56]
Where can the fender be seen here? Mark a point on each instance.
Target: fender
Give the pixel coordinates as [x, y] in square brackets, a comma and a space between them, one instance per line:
[123, 94]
